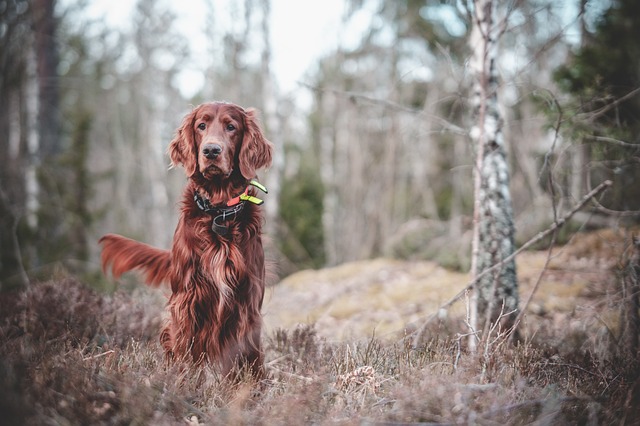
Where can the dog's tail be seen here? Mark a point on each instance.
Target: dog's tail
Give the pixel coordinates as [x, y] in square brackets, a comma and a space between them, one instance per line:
[123, 254]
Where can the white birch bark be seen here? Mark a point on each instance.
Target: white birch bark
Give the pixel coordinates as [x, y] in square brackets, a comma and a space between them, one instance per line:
[494, 293]
[32, 187]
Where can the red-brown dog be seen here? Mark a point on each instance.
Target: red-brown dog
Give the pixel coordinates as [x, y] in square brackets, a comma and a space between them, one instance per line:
[216, 264]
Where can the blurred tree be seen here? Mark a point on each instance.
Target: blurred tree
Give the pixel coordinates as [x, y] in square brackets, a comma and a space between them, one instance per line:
[15, 35]
[495, 294]
[35, 179]
[12, 273]
[45, 32]
[391, 134]
[51, 171]
[138, 107]
[88, 57]
[48, 236]
[160, 51]
[234, 72]
[378, 118]
[239, 70]
[301, 238]
[603, 81]
[273, 122]
[80, 215]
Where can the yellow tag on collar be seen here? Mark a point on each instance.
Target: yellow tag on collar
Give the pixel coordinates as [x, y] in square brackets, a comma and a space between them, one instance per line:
[258, 185]
[251, 199]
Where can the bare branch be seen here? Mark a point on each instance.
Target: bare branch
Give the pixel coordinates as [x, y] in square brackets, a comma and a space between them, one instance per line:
[556, 129]
[536, 285]
[554, 234]
[550, 41]
[593, 115]
[614, 141]
[100, 355]
[619, 213]
[417, 335]
[354, 96]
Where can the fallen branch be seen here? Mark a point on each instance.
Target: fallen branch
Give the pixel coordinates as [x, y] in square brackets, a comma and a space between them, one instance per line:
[109, 352]
[541, 235]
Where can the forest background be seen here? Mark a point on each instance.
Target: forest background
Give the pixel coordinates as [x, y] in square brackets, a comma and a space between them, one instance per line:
[373, 153]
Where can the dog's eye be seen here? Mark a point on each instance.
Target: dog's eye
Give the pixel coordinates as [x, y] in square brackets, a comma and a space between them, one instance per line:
[230, 127]
[202, 126]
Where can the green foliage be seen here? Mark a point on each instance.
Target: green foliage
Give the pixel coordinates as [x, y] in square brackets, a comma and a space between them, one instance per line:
[603, 80]
[605, 69]
[301, 209]
[63, 220]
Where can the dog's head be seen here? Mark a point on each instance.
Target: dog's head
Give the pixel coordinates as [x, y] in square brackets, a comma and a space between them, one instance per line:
[216, 139]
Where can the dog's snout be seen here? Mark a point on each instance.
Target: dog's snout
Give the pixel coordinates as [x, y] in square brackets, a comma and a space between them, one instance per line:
[211, 150]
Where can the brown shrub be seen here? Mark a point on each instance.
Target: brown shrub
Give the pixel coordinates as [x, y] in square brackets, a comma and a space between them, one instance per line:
[72, 355]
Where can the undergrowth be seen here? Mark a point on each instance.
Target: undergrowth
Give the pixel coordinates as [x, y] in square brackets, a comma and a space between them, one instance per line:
[69, 355]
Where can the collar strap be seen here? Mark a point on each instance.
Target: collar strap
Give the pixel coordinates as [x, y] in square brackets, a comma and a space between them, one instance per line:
[229, 210]
[221, 214]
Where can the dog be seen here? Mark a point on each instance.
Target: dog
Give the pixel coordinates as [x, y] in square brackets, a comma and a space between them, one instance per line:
[216, 265]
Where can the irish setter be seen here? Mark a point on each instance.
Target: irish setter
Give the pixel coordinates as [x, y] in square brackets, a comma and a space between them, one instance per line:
[216, 265]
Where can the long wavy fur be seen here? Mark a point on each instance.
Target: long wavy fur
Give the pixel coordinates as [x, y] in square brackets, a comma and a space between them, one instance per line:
[217, 283]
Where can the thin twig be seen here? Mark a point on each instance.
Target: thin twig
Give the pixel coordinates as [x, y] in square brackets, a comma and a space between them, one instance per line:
[554, 234]
[549, 153]
[109, 352]
[536, 285]
[388, 104]
[591, 116]
[541, 235]
[608, 211]
[468, 317]
[614, 141]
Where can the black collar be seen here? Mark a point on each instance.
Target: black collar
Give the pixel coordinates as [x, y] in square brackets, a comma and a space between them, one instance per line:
[221, 213]
[226, 212]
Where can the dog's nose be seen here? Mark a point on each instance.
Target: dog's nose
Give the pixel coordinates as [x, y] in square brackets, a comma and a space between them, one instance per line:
[211, 150]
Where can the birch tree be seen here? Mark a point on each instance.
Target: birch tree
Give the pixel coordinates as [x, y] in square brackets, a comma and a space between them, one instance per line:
[495, 294]
[14, 21]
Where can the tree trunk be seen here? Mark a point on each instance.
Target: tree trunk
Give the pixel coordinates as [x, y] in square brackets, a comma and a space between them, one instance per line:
[12, 274]
[47, 54]
[272, 125]
[328, 169]
[47, 180]
[15, 42]
[81, 190]
[495, 296]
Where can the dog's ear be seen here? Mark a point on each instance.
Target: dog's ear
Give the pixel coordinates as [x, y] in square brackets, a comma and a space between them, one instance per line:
[182, 149]
[256, 151]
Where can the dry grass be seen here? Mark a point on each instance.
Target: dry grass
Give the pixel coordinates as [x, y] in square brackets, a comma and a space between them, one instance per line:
[70, 355]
